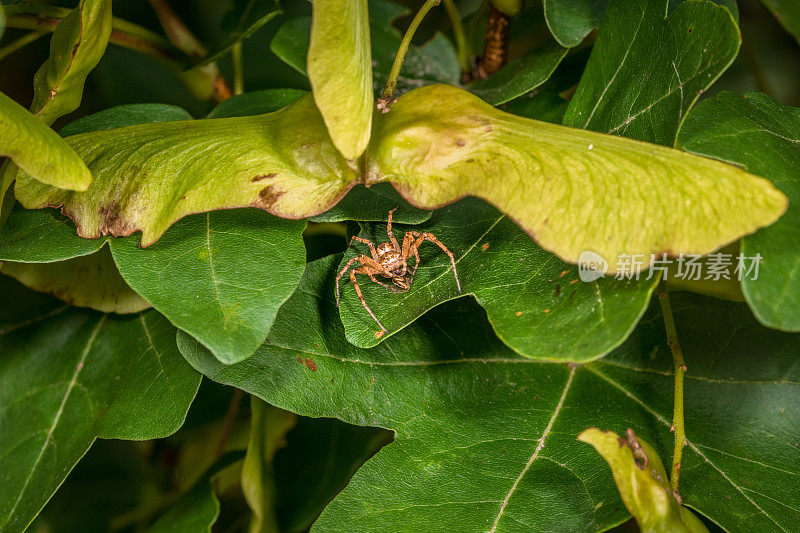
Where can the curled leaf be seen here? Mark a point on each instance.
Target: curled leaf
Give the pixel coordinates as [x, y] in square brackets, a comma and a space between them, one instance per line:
[38, 150]
[340, 72]
[151, 175]
[642, 482]
[571, 190]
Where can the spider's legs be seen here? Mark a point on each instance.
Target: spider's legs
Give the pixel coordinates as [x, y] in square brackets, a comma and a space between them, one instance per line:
[389, 231]
[341, 273]
[363, 270]
[368, 243]
[432, 238]
[408, 249]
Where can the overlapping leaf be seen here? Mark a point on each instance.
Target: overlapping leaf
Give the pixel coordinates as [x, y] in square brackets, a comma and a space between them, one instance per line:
[696, 42]
[535, 301]
[69, 375]
[340, 72]
[460, 402]
[149, 176]
[571, 20]
[38, 150]
[571, 190]
[435, 61]
[763, 136]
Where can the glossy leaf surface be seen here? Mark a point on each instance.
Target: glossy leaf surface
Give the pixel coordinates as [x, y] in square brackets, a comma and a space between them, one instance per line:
[69, 375]
[697, 41]
[340, 72]
[762, 136]
[459, 401]
[534, 300]
[220, 276]
[571, 20]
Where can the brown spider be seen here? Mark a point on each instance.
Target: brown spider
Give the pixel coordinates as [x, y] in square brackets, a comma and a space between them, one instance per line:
[390, 261]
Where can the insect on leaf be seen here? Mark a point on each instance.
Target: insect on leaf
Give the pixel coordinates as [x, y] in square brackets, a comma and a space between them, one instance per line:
[340, 72]
[460, 401]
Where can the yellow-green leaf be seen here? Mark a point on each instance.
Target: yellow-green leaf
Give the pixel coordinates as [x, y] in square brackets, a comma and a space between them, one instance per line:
[77, 45]
[571, 190]
[151, 175]
[85, 281]
[642, 483]
[340, 71]
[38, 150]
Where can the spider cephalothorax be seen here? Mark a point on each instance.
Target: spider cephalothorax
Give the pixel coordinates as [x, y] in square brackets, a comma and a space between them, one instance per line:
[390, 260]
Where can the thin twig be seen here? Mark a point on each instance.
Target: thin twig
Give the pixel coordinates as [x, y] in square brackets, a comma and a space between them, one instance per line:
[238, 68]
[464, 56]
[680, 370]
[227, 424]
[402, 50]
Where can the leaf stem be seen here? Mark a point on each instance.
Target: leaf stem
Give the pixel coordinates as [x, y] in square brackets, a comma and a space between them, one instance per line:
[238, 70]
[227, 424]
[402, 50]
[26, 39]
[680, 371]
[460, 37]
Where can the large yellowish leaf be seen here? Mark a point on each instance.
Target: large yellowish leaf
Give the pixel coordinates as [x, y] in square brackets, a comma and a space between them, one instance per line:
[38, 150]
[642, 482]
[340, 71]
[149, 176]
[571, 190]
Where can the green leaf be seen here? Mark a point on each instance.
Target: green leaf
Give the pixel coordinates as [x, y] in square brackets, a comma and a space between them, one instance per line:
[256, 103]
[76, 47]
[642, 482]
[243, 19]
[69, 375]
[340, 72]
[38, 150]
[373, 204]
[460, 401]
[509, 7]
[788, 14]
[268, 428]
[219, 276]
[572, 20]
[763, 136]
[125, 115]
[534, 300]
[697, 42]
[521, 75]
[558, 183]
[197, 510]
[85, 281]
[282, 162]
[435, 61]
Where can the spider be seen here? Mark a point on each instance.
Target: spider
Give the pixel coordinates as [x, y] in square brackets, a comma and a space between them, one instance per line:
[390, 260]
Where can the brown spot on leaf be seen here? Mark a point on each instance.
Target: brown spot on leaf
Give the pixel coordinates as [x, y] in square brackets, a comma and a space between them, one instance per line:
[267, 197]
[311, 365]
[557, 292]
[113, 221]
[639, 456]
[460, 142]
[256, 179]
[485, 247]
[379, 334]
